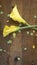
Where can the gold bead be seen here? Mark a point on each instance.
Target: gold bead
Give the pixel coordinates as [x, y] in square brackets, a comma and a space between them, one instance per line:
[36, 34]
[33, 31]
[33, 46]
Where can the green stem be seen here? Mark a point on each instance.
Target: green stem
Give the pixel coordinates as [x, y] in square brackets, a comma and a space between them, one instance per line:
[26, 27]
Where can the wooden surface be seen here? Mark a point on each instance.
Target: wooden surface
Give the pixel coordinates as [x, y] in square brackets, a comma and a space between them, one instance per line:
[27, 9]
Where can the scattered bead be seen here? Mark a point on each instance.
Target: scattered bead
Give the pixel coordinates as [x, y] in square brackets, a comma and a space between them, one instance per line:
[35, 16]
[33, 46]
[1, 49]
[31, 34]
[14, 35]
[25, 49]
[9, 41]
[27, 32]
[4, 50]
[1, 12]
[36, 34]
[33, 31]
[19, 31]
[18, 58]
[7, 21]
[8, 15]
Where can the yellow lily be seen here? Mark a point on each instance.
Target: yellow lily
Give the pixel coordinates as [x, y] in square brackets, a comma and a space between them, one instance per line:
[16, 16]
[7, 30]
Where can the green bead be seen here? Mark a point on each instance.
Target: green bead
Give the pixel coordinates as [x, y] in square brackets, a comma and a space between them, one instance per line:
[1, 49]
[1, 12]
[19, 31]
[9, 41]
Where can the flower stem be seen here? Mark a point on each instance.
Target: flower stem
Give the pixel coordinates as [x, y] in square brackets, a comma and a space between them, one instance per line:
[27, 27]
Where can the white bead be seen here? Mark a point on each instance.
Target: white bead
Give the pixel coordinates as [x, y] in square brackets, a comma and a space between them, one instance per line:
[27, 32]
[31, 34]
[34, 31]
[25, 48]
[19, 58]
[1, 49]
[9, 41]
[35, 16]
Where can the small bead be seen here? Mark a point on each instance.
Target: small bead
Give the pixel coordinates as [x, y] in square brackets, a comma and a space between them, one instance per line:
[35, 16]
[9, 41]
[4, 50]
[18, 58]
[1, 49]
[36, 34]
[31, 33]
[33, 46]
[7, 21]
[8, 15]
[14, 35]
[19, 31]
[1, 12]
[27, 32]
[25, 49]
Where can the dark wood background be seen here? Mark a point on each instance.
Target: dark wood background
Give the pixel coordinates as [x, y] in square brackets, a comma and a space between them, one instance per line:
[27, 9]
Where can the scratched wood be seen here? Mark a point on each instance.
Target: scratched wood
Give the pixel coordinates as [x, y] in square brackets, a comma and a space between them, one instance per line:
[27, 9]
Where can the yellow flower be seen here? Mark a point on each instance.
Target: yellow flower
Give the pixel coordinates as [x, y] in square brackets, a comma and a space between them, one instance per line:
[16, 16]
[7, 30]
